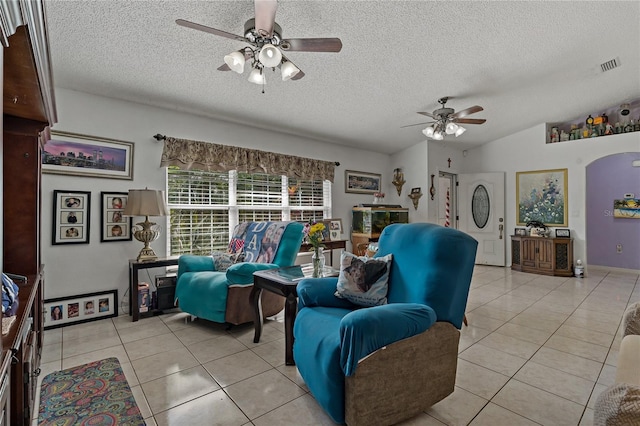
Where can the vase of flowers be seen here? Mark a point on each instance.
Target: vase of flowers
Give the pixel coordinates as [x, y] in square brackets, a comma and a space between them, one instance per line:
[378, 198]
[313, 233]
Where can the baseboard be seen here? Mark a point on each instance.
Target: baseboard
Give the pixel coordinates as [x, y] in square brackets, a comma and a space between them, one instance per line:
[612, 269]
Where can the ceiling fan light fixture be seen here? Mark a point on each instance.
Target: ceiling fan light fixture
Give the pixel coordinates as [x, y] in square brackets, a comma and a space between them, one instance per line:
[438, 136]
[235, 61]
[270, 56]
[451, 128]
[288, 70]
[257, 77]
[428, 132]
[460, 131]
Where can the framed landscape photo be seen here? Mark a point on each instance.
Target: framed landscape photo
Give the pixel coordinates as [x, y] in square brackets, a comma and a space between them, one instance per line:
[114, 226]
[361, 182]
[82, 155]
[541, 196]
[71, 214]
[81, 308]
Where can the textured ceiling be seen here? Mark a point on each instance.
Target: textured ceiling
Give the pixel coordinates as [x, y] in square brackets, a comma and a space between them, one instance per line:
[526, 63]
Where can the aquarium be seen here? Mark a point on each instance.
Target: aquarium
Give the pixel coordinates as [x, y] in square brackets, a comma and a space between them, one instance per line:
[370, 221]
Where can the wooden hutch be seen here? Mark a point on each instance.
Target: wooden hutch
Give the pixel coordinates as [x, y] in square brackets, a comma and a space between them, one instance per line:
[546, 256]
[28, 111]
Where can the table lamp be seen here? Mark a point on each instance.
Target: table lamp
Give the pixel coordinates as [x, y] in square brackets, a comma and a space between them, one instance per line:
[146, 202]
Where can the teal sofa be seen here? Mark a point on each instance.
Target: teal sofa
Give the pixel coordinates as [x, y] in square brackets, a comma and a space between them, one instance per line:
[384, 364]
[223, 295]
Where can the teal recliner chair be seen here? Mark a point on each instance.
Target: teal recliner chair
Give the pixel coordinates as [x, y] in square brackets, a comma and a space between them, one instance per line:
[223, 296]
[384, 364]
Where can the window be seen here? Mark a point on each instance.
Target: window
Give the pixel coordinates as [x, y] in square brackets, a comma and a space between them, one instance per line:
[205, 206]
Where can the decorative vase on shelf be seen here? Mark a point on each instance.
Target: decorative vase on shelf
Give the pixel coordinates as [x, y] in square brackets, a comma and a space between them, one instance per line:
[317, 260]
[378, 200]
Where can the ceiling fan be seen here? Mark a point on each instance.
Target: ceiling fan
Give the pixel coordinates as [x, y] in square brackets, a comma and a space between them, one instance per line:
[266, 44]
[447, 121]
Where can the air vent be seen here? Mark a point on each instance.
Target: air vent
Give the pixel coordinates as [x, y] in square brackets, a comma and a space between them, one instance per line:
[609, 65]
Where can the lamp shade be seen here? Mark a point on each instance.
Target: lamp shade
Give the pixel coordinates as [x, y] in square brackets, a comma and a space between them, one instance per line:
[428, 132]
[146, 202]
[451, 128]
[270, 56]
[439, 135]
[235, 61]
[288, 70]
[460, 131]
[256, 76]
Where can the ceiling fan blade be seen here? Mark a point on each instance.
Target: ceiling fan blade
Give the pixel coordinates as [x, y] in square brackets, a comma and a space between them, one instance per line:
[469, 120]
[265, 16]
[209, 30]
[417, 124]
[311, 44]
[428, 114]
[468, 111]
[298, 76]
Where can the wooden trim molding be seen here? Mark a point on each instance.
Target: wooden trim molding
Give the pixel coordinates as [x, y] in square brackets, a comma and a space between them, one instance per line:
[31, 14]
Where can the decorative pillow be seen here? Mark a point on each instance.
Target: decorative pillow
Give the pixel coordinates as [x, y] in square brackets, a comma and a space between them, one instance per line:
[364, 281]
[618, 404]
[222, 261]
[631, 320]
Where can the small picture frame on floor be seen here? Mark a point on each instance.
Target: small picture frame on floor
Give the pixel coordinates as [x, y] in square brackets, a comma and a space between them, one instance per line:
[63, 311]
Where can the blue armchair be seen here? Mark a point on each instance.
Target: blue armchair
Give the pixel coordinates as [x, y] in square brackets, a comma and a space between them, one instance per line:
[223, 296]
[383, 364]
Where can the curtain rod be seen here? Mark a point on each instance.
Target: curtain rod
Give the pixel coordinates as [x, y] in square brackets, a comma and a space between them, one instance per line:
[160, 137]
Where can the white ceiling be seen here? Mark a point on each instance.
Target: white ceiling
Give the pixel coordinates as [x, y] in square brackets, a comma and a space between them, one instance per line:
[525, 62]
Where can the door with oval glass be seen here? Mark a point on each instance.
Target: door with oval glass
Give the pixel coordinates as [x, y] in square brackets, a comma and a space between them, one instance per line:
[481, 210]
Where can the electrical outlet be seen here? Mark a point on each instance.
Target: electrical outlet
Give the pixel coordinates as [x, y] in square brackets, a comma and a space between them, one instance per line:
[619, 248]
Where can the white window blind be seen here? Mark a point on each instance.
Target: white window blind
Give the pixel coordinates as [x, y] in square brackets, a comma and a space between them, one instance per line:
[205, 206]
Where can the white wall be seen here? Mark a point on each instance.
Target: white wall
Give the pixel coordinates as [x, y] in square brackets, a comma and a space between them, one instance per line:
[414, 165]
[81, 268]
[418, 163]
[527, 150]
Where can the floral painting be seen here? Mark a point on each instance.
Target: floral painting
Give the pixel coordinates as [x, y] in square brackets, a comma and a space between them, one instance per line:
[542, 196]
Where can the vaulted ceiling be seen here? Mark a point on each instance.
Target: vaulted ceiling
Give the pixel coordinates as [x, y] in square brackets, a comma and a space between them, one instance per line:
[525, 62]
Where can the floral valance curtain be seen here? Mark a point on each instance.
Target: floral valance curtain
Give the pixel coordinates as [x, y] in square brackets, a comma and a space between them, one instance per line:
[188, 154]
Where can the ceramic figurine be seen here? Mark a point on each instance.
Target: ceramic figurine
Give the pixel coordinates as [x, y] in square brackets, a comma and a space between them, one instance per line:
[608, 130]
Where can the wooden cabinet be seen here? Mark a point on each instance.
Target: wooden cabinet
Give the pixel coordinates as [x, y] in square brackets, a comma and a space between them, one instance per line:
[5, 390]
[23, 344]
[28, 109]
[547, 256]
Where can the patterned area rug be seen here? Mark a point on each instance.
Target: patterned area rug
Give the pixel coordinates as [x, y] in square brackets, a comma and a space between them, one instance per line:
[91, 394]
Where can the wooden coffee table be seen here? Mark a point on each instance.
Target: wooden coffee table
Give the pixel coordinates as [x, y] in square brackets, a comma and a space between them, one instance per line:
[284, 282]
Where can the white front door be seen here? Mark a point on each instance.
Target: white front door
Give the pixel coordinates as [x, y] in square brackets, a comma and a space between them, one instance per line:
[481, 211]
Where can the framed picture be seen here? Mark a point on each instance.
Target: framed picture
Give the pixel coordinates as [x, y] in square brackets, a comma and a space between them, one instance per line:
[361, 182]
[326, 232]
[627, 207]
[81, 308]
[541, 195]
[71, 214]
[563, 233]
[335, 229]
[520, 231]
[114, 226]
[82, 155]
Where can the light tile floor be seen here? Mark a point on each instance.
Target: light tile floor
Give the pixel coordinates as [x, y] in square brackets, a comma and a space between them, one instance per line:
[538, 350]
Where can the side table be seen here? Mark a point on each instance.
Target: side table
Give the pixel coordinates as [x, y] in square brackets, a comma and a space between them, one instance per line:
[328, 245]
[134, 267]
[283, 281]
